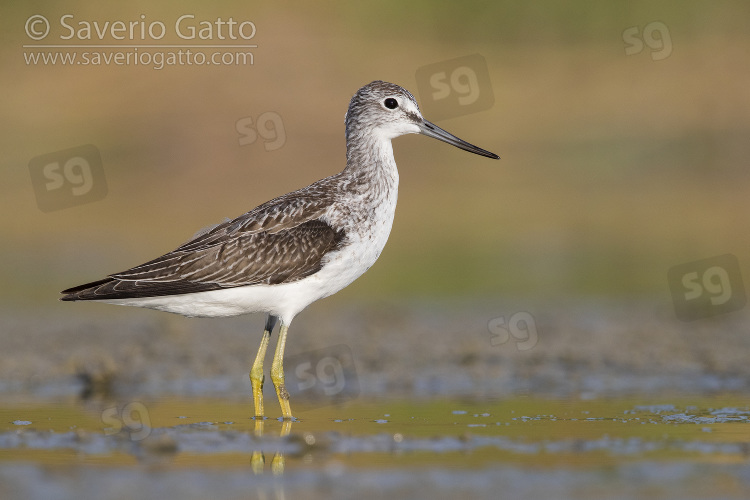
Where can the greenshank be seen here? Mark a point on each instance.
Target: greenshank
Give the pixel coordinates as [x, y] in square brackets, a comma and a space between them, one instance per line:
[289, 252]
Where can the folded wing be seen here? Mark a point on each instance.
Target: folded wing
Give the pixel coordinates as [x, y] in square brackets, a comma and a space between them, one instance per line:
[278, 242]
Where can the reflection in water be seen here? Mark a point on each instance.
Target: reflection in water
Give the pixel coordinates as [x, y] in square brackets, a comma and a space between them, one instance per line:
[258, 459]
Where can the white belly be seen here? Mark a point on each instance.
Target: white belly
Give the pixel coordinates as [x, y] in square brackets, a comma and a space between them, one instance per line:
[340, 268]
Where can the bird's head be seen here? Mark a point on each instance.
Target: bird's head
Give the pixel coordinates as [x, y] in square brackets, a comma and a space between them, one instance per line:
[386, 110]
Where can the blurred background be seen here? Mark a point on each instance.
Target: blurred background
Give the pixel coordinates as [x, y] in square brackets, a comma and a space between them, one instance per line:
[614, 167]
[594, 273]
[622, 128]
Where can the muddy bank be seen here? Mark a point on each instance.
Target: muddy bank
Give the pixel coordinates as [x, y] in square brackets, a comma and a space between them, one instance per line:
[424, 350]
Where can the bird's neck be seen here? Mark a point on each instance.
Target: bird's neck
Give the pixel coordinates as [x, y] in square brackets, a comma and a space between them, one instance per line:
[370, 164]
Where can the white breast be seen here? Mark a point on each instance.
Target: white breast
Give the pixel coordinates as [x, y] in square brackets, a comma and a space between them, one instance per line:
[362, 246]
[364, 211]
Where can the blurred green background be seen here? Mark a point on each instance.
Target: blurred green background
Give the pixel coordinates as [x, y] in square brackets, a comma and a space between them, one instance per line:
[614, 167]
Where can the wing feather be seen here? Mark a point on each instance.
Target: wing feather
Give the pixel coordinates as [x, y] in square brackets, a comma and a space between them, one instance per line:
[281, 241]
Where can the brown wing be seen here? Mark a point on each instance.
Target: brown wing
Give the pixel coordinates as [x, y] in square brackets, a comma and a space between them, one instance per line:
[281, 241]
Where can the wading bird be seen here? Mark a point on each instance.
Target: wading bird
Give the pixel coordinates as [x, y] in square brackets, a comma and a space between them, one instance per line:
[289, 252]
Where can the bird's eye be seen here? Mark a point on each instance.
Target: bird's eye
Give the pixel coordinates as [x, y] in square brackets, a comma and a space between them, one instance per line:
[391, 103]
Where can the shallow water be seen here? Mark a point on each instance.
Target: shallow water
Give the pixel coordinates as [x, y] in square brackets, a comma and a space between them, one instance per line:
[421, 449]
[399, 402]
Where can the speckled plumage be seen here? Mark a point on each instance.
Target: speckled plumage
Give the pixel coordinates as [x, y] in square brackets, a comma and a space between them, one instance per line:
[308, 244]
[293, 250]
[283, 240]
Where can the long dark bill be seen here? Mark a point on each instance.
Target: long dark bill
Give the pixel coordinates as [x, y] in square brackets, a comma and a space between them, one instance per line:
[432, 130]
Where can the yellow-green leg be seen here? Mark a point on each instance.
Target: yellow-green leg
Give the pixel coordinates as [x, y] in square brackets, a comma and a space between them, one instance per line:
[277, 374]
[256, 372]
